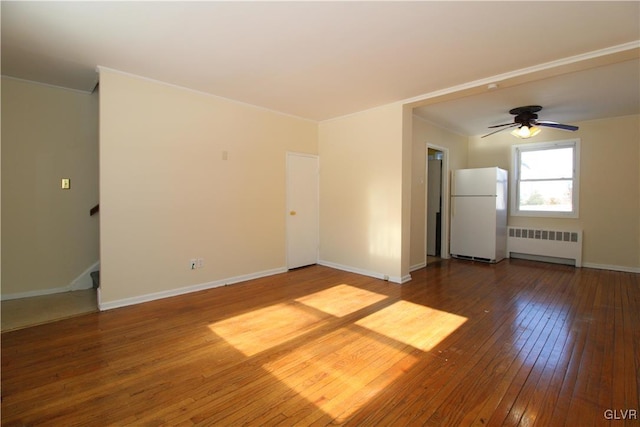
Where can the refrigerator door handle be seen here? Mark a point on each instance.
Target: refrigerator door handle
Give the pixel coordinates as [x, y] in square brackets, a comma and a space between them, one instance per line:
[453, 193]
[453, 183]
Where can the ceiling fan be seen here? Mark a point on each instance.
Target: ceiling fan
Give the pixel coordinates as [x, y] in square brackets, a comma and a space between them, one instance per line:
[527, 121]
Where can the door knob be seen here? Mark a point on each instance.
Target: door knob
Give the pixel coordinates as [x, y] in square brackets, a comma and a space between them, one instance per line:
[292, 213]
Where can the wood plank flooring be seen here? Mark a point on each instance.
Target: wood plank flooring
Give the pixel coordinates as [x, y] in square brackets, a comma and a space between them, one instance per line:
[31, 311]
[516, 343]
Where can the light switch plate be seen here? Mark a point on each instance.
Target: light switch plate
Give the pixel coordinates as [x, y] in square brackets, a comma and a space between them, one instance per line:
[66, 183]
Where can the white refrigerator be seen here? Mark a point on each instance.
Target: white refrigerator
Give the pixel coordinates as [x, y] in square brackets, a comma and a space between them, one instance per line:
[479, 214]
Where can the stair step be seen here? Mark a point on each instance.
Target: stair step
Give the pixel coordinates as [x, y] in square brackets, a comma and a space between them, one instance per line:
[95, 276]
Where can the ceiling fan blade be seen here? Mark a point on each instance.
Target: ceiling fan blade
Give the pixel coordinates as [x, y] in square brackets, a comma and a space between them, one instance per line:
[499, 126]
[500, 130]
[556, 125]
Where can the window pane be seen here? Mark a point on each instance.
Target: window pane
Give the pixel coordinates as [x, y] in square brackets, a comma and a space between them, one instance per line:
[550, 196]
[547, 164]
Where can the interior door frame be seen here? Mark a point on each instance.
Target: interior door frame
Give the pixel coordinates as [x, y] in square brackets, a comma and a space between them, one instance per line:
[444, 208]
[288, 202]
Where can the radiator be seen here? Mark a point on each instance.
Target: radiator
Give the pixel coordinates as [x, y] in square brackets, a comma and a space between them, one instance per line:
[545, 244]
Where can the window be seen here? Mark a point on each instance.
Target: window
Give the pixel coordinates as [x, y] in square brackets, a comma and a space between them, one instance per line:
[545, 179]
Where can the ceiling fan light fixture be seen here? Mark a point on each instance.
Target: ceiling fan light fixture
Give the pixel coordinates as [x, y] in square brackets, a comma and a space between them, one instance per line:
[526, 120]
[525, 131]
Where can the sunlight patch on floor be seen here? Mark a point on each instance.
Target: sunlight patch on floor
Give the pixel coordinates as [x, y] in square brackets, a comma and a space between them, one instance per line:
[262, 329]
[341, 300]
[340, 382]
[413, 324]
[341, 370]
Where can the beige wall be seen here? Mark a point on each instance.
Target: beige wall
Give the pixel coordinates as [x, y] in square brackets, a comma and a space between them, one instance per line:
[48, 237]
[609, 186]
[361, 192]
[425, 133]
[167, 195]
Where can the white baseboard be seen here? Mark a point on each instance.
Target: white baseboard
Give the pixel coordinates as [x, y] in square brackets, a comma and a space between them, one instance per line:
[102, 306]
[404, 279]
[394, 279]
[418, 266]
[611, 267]
[83, 281]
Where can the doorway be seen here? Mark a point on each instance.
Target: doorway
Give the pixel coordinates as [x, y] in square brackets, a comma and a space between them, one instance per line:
[302, 210]
[436, 206]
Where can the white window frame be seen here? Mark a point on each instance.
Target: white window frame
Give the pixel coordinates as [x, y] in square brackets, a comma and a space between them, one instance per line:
[515, 177]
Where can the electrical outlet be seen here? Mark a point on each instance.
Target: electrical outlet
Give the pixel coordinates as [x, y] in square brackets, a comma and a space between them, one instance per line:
[200, 263]
[193, 264]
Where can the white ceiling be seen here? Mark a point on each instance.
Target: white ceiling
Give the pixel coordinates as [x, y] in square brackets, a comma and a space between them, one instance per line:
[595, 93]
[321, 60]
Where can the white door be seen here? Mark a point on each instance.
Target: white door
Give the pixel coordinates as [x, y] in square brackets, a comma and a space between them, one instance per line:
[302, 210]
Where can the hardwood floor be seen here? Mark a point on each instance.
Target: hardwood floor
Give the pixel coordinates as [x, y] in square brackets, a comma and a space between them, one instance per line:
[517, 343]
[26, 312]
